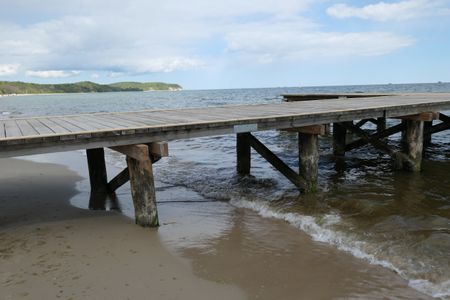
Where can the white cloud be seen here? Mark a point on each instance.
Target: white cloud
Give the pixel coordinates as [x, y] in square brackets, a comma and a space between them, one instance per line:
[142, 36]
[52, 73]
[8, 70]
[268, 42]
[382, 11]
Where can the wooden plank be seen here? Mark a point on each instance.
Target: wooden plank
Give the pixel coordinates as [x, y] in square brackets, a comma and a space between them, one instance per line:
[266, 116]
[117, 121]
[26, 128]
[57, 128]
[71, 124]
[2, 129]
[12, 129]
[40, 127]
[94, 121]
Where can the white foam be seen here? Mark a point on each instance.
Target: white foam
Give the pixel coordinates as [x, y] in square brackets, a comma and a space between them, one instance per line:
[319, 230]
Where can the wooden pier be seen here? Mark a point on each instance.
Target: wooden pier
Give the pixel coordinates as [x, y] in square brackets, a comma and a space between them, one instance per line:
[143, 135]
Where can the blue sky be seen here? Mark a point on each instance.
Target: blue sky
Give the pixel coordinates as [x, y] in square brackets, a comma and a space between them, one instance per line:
[203, 44]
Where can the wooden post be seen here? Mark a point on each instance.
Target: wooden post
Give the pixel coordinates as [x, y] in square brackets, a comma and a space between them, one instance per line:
[414, 145]
[308, 145]
[426, 133]
[243, 152]
[143, 191]
[339, 139]
[412, 159]
[97, 178]
[381, 124]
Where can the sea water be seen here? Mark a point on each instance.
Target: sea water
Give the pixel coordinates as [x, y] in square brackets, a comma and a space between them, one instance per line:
[395, 219]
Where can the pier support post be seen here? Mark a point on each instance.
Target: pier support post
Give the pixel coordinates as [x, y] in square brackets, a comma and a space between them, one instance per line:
[339, 139]
[414, 145]
[97, 178]
[243, 152]
[308, 145]
[143, 190]
[426, 133]
[412, 140]
[381, 124]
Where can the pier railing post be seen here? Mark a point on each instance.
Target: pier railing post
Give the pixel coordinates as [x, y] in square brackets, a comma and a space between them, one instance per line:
[243, 152]
[97, 178]
[308, 145]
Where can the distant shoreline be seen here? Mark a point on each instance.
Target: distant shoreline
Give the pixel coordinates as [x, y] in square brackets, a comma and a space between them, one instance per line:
[82, 93]
[14, 88]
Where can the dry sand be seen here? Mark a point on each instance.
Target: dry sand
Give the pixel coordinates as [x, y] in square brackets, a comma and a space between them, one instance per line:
[50, 249]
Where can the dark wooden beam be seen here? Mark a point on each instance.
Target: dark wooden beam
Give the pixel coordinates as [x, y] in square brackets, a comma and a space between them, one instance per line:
[366, 137]
[243, 152]
[339, 138]
[97, 169]
[273, 159]
[379, 135]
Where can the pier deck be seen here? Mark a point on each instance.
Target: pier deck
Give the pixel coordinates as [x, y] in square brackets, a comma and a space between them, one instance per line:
[26, 136]
[142, 136]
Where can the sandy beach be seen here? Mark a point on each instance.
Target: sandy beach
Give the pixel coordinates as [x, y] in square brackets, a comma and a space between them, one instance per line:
[50, 249]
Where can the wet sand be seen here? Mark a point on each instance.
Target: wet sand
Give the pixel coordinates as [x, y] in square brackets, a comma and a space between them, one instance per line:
[203, 250]
[52, 250]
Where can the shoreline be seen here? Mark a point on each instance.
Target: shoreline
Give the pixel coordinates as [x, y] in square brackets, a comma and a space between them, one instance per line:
[219, 245]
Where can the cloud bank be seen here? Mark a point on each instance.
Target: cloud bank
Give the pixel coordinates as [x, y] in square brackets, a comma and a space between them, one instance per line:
[139, 37]
[397, 11]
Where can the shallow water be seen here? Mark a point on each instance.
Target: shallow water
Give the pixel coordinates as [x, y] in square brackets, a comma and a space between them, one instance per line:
[395, 219]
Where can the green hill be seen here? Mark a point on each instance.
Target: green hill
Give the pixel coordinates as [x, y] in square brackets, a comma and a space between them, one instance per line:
[147, 86]
[17, 87]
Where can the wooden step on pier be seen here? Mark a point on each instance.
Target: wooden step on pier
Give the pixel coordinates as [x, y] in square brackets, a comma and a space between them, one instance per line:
[142, 136]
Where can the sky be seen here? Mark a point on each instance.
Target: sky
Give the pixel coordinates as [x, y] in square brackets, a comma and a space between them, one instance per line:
[207, 44]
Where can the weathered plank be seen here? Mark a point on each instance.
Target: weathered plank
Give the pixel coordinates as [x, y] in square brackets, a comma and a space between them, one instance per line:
[26, 128]
[2, 129]
[41, 128]
[94, 130]
[12, 129]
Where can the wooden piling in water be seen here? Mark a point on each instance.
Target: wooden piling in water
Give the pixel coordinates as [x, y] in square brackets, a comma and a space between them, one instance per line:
[308, 145]
[339, 139]
[414, 145]
[243, 152]
[143, 187]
